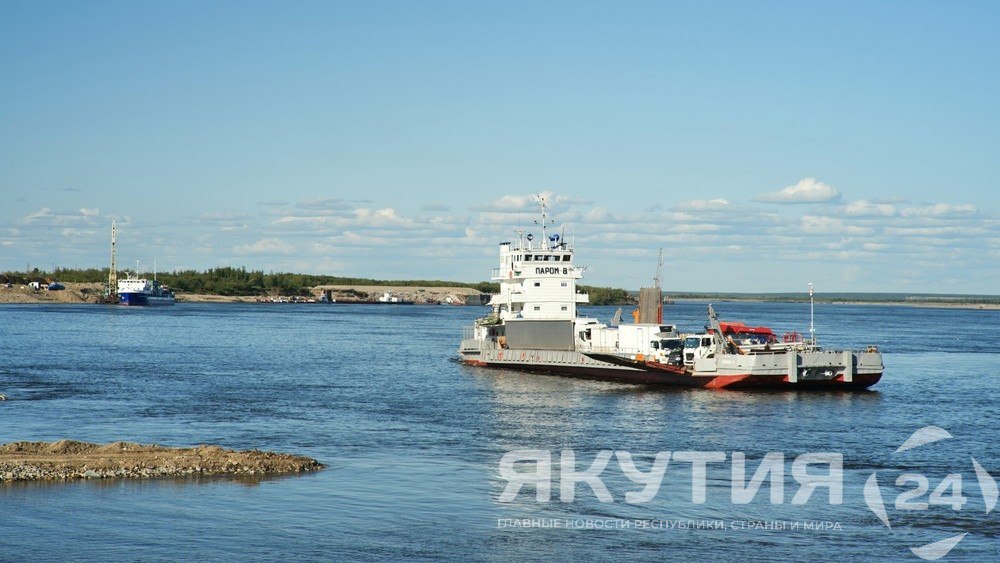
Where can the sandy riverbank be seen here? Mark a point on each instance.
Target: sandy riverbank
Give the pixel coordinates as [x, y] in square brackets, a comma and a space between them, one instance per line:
[67, 459]
[419, 295]
[74, 293]
[91, 292]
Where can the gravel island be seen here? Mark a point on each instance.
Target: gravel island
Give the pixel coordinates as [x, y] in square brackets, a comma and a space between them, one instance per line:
[67, 460]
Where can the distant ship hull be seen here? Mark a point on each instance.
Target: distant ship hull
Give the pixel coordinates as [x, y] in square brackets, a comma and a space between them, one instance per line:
[144, 300]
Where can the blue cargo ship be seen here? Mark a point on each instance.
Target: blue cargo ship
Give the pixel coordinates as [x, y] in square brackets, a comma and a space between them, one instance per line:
[142, 292]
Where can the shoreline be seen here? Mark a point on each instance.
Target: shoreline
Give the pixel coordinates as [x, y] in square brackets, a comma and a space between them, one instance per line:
[928, 304]
[88, 293]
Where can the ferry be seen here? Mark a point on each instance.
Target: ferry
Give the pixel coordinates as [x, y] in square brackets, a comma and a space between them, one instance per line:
[136, 291]
[533, 326]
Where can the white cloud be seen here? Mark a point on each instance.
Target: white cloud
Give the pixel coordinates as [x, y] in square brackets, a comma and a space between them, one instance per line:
[939, 210]
[435, 206]
[359, 218]
[45, 216]
[510, 203]
[816, 225]
[40, 214]
[351, 238]
[222, 216]
[69, 232]
[807, 190]
[321, 203]
[703, 205]
[265, 246]
[945, 230]
[379, 217]
[599, 215]
[865, 208]
[874, 246]
[529, 202]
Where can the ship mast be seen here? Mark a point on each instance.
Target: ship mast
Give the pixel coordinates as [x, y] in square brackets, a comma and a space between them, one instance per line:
[545, 239]
[113, 272]
[812, 327]
[659, 288]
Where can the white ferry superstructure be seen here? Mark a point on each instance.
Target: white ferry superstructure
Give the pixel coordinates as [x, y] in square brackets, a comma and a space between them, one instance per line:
[534, 325]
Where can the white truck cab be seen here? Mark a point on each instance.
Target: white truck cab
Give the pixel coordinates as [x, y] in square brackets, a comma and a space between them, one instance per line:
[669, 350]
[698, 346]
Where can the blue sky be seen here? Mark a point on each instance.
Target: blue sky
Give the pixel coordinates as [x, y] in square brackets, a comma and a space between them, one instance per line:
[763, 145]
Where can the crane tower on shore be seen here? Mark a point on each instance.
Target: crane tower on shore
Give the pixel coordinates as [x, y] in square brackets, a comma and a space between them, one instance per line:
[113, 272]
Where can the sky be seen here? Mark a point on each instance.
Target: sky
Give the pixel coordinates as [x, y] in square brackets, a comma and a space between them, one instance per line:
[762, 145]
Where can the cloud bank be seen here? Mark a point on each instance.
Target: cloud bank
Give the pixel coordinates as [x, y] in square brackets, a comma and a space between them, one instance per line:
[807, 190]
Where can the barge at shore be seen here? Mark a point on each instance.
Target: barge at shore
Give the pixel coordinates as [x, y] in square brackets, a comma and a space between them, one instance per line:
[534, 327]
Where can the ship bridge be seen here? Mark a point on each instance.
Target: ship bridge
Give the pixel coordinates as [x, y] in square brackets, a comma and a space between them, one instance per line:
[537, 278]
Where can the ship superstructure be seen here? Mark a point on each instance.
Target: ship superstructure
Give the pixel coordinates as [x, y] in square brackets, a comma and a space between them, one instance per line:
[533, 324]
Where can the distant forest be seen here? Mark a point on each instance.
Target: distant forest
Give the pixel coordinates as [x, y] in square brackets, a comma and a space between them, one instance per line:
[240, 281]
[803, 297]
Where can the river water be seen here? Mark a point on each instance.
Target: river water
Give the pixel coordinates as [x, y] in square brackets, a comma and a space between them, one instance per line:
[413, 440]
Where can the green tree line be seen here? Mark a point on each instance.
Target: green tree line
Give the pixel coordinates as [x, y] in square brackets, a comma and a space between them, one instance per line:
[240, 281]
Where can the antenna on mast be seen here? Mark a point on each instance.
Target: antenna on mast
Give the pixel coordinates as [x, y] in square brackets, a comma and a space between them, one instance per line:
[545, 238]
[812, 327]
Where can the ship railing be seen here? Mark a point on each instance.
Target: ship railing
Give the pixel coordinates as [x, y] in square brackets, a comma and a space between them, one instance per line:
[540, 245]
[621, 350]
[468, 332]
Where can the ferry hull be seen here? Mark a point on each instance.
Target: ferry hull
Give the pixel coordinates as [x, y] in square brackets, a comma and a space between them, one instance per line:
[613, 368]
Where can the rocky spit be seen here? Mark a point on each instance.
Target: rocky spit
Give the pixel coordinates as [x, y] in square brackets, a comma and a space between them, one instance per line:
[67, 460]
